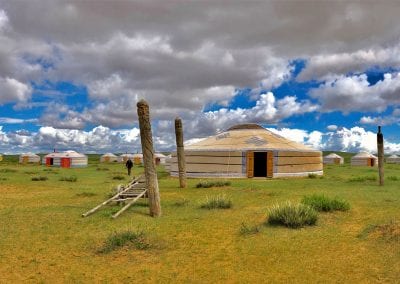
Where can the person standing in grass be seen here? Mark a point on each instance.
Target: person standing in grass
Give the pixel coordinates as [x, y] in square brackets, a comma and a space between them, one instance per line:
[129, 165]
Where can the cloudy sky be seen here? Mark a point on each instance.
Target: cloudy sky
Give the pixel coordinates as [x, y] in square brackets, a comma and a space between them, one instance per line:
[325, 73]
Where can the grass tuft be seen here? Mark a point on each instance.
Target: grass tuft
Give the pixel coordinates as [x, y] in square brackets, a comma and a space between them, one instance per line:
[362, 179]
[39, 178]
[249, 229]
[325, 204]
[389, 231]
[85, 194]
[118, 177]
[208, 184]
[6, 170]
[181, 203]
[120, 239]
[292, 215]
[70, 179]
[102, 169]
[312, 176]
[393, 178]
[216, 202]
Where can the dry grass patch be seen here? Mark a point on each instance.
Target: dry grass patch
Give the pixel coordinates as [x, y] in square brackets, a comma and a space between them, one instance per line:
[389, 231]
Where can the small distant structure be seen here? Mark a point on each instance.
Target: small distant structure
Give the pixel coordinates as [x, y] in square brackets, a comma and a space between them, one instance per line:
[364, 159]
[333, 159]
[1, 157]
[159, 158]
[29, 158]
[108, 158]
[67, 159]
[137, 159]
[125, 157]
[393, 159]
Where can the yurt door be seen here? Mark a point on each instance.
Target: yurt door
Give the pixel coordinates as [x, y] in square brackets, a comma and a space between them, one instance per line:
[49, 162]
[25, 159]
[336, 160]
[371, 162]
[136, 161]
[65, 162]
[270, 164]
[106, 159]
[250, 164]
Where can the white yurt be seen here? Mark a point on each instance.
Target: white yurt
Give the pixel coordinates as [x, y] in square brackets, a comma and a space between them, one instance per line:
[159, 158]
[364, 159]
[29, 158]
[108, 158]
[137, 159]
[168, 161]
[333, 159]
[393, 159]
[249, 150]
[1, 157]
[124, 157]
[67, 159]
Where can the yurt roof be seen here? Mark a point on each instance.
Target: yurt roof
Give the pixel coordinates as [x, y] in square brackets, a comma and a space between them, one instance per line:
[394, 156]
[127, 155]
[29, 154]
[364, 155]
[160, 155]
[247, 137]
[333, 155]
[108, 155]
[72, 154]
[137, 155]
[54, 154]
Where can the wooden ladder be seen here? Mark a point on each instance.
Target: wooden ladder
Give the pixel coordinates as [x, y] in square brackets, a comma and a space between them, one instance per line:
[131, 192]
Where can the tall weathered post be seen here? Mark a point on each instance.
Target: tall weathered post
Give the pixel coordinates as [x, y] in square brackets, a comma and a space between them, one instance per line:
[180, 152]
[148, 158]
[380, 155]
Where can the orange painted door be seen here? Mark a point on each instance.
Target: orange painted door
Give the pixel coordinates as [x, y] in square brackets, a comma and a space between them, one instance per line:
[25, 159]
[336, 160]
[250, 164]
[48, 162]
[65, 162]
[136, 161]
[270, 164]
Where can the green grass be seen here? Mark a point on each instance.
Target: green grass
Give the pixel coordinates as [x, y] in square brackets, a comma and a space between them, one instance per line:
[325, 204]
[44, 239]
[69, 178]
[216, 202]
[39, 178]
[292, 215]
[118, 240]
[208, 184]
[118, 177]
[362, 178]
[246, 229]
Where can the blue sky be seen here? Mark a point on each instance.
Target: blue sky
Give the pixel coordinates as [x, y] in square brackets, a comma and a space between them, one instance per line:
[70, 78]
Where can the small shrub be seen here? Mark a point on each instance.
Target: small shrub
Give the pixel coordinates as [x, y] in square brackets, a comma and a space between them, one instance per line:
[326, 204]
[85, 194]
[70, 179]
[216, 202]
[121, 239]
[102, 169]
[362, 179]
[292, 215]
[208, 184]
[249, 230]
[3, 178]
[39, 178]
[6, 170]
[182, 202]
[118, 177]
[393, 178]
[312, 176]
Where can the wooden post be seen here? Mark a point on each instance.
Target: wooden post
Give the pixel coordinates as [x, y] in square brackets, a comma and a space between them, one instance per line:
[180, 152]
[148, 158]
[380, 156]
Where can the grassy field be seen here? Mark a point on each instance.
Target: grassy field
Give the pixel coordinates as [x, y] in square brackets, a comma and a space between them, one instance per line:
[43, 237]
